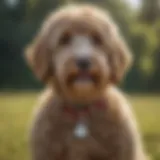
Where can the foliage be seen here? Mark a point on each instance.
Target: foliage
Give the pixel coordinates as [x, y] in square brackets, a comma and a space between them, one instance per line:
[144, 41]
[150, 11]
[19, 25]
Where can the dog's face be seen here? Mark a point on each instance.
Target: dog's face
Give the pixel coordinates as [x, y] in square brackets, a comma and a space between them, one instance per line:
[80, 63]
[80, 52]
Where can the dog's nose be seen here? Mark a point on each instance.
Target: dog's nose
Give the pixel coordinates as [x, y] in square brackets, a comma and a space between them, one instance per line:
[83, 63]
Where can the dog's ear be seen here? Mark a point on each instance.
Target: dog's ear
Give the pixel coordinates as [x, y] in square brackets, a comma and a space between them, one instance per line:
[118, 54]
[39, 58]
[120, 59]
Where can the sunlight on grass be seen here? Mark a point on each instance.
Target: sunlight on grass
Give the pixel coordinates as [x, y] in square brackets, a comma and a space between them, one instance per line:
[16, 109]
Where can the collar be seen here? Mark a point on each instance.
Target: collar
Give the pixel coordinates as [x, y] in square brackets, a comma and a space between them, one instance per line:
[78, 110]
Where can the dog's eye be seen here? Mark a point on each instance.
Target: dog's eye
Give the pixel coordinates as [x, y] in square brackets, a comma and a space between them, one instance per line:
[65, 39]
[96, 39]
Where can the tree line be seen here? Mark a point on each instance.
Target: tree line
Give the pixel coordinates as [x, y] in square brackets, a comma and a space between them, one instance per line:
[20, 20]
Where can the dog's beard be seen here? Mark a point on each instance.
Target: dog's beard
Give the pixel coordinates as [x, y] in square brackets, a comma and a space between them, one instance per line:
[82, 86]
[83, 82]
[83, 78]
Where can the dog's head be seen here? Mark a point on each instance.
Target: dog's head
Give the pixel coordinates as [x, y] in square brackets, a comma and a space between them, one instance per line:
[79, 51]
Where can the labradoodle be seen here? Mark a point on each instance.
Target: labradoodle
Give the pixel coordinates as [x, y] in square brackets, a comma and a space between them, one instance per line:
[80, 55]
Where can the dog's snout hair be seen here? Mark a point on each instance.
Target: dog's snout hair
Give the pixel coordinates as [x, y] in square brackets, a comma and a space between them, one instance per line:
[82, 47]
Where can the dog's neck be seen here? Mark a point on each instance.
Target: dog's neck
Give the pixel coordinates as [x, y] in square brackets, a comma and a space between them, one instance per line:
[77, 110]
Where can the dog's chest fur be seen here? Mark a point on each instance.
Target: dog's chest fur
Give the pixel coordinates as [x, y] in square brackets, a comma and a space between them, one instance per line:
[98, 136]
[80, 136]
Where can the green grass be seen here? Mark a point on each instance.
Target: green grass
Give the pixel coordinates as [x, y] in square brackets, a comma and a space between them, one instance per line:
[16, 109]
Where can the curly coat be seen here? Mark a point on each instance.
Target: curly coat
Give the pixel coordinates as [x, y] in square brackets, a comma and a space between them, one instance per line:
[113, 133]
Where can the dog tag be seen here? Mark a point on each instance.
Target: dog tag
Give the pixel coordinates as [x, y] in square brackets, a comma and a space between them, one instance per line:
[81, 130]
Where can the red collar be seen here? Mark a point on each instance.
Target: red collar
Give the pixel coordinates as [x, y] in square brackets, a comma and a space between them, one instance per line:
[82, 111]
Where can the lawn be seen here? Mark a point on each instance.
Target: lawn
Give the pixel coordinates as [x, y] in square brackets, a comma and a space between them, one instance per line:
[16, 109]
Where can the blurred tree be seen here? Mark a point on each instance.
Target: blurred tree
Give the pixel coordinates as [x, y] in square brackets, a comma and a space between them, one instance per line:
[143, 43]
[11, 17]
[150, 14]
[38, 9]
[154, 84]
[150, 11]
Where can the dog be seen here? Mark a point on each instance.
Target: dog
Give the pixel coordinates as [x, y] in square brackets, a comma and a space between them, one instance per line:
[80, 55]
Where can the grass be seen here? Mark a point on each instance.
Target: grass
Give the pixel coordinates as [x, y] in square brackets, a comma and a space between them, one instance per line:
[15, 113]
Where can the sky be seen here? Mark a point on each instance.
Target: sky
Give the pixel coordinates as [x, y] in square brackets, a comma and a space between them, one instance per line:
[12, 3]
[134, 3]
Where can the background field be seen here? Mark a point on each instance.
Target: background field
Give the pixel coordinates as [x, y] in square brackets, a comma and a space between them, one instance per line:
[15, 114]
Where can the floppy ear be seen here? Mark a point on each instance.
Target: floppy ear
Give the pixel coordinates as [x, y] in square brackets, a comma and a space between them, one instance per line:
[39, 58]
[119, 56]
[120, 59]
